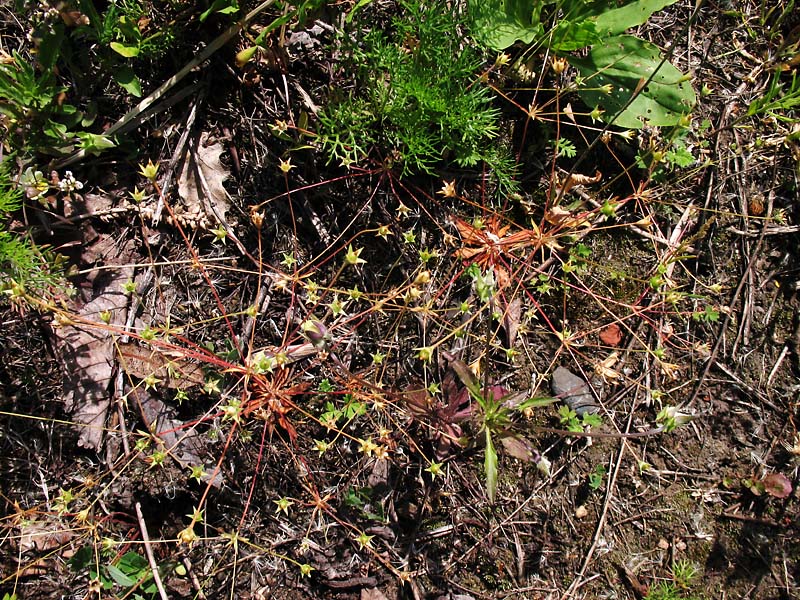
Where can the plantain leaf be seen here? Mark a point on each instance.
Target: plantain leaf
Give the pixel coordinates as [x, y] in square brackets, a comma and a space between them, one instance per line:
[633, 14]
[499, 24]
[575, 24]
[622, 65]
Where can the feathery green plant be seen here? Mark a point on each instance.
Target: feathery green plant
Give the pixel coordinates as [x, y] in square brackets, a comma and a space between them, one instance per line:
[24, 267]
[419, 98]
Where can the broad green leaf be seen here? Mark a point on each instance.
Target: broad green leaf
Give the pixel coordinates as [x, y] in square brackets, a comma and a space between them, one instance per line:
[120, 578]
[499, 24]
[622, 65]
[490, 467]
[568, 36]
[55, 130]
[133, 563]
[633, 14]
[82, 559]
[580, 23]
[125, 50]
[127, 80]
[93, 142]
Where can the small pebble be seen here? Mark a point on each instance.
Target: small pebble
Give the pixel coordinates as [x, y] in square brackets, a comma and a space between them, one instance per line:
[574, 391]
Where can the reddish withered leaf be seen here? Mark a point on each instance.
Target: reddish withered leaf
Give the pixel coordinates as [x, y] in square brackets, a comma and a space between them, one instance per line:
[777, 485]
[611, 335]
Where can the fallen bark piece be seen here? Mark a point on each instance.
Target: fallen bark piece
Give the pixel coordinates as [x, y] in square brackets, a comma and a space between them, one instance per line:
[574, 391]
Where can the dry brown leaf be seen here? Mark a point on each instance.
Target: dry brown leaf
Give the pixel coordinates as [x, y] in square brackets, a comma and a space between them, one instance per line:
[170, 368]
[87, 354]
[38, 536]
[511, 319]
[578, 179]
[372, 594]
[182, 440]
[569, 112]
[670, 370]
[604, 368]
[561, 217]
[570, 180]
[200, 184]
[518, 447]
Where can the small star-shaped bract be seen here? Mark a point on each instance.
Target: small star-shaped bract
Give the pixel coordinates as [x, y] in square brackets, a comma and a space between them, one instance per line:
[448, 189]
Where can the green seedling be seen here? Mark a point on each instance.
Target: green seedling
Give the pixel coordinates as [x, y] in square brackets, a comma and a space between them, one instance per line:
[496, 408]
[596, 477]
[130, 573]
[683, 574]
[38, 119]
[572, 422]
[347, 411]
[361, 500]
[708, 315]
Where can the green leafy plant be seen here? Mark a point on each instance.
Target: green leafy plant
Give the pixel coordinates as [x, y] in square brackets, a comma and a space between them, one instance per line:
[123, 33]
[572, 422]
[361, 500]
[494, 415]
[24, 267]
[36, 117]
[596, 477]
[349, 410]
[418, 99]
[131, 572]
[708, 315]
[778, 100]
[673, 153]
[622, 76]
